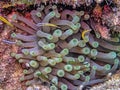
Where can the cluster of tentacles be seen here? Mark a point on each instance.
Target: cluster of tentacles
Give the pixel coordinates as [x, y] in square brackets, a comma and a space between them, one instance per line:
[63, 50]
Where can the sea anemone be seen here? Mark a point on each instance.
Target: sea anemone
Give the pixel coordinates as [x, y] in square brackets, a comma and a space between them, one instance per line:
[64, 48]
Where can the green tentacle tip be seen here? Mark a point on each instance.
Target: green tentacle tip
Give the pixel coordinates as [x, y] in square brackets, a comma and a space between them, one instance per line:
[87, 65]
[95, 44]
[55, 80]
[22, 78]
[68, 68]
[77, 76]
[116, 61]
[25, 71]
[78, 25]
[81, 13]
[86, 50]
[45, 47]
[12, 54]
[44, 58]
[86, 17]
[57, 33]
[77, 67]
[34, 64]
[113, 54]
[52, 62]
[58, 60]
[116, 39]
[19, 43]
[20, 60]
[38, 14]
[25, 51]
[82, 43]
[107, 67]
[64, 87]
[60, 73]
[87, 78]
[80, 72]
[69, 31]
[33, 53]
[94, 52]
[74, 27]
[49, 37]
[75, 19]
[86, 38]
[74, 42]
[37, 74]
[59, 55]
[54, 7]
[71, 60]
[18, 56]
[94, 67]
[97, 35]
[57, 15]
[52, 13]
[51, 46]
[53, 87]
[13, 35]
[41, 7]
[64, 51]
[28, 83]
[48, 69]
[81, 58]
